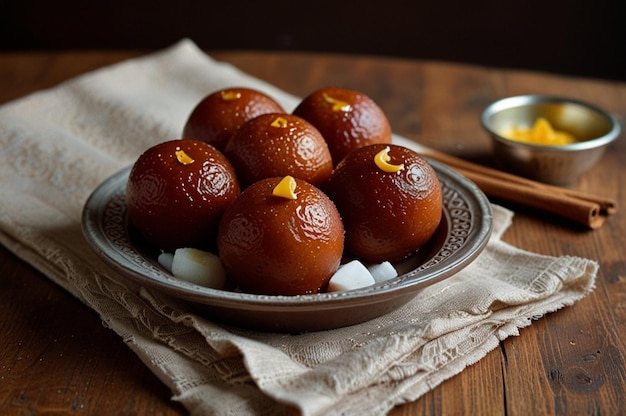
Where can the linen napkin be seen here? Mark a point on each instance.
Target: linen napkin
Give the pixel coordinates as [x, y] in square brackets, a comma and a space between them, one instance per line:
[58, 145]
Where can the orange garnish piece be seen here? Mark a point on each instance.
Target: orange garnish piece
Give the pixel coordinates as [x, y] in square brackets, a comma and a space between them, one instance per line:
[279, 122]
[338, 105]
[286, 188]
[228, 95]
[382, 159]
[183, 157]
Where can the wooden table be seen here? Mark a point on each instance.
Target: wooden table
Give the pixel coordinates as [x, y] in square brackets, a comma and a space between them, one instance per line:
[568, 362]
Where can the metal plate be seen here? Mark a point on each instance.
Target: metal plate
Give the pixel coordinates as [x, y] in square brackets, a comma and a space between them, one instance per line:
[463, 233]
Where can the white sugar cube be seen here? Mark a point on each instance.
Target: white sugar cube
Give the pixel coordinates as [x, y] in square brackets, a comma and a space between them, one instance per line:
[200, 267]
[382, 271]
[352, 275]
[165, 260]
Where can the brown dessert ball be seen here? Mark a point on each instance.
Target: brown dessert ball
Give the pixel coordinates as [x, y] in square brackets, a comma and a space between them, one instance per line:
[177, 192]
[279, 144]
[389, 212]
[271, 244]
[346, 118]
[216, 117]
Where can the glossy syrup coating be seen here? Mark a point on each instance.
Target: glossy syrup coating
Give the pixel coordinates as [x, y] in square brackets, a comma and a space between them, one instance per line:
[279, 144]
[387, 215]
[271, 244]
[177, 192]
[347, 119]
[216, 117]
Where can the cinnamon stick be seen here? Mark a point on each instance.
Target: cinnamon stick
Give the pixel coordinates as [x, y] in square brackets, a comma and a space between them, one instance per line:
[587, 209]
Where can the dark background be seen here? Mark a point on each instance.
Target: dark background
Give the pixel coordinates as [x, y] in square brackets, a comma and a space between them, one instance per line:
[575, 37]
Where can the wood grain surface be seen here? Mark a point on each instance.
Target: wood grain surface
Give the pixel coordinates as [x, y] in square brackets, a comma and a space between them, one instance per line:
[57, 357]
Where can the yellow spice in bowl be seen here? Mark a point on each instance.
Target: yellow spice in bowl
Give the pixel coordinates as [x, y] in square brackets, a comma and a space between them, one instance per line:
[540, 133]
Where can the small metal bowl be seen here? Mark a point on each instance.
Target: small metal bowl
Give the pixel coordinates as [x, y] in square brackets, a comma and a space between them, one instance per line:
[553, 164]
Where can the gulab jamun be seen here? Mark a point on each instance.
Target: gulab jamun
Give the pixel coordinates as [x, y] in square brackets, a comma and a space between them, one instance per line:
[281, 237]
[390, 201]
[216, 117]
[177, 192]
[279, 144]
[347, 119]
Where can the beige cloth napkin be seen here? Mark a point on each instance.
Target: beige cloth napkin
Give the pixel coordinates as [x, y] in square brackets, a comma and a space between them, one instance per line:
[57, 145]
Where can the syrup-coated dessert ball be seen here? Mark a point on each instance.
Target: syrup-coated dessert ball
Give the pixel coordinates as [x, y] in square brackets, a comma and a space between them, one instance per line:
[346, 118]
[177, 192]
[390, 201]
[216, 117]
[281, 237]
[279, 144]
